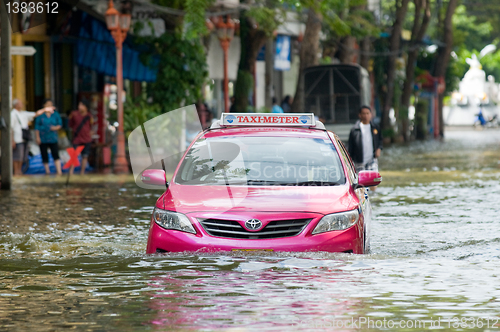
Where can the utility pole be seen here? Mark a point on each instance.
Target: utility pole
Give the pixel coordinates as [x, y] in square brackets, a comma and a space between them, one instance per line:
[5, 83]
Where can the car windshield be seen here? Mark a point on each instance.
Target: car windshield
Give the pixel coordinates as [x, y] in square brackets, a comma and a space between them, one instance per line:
[257, 160]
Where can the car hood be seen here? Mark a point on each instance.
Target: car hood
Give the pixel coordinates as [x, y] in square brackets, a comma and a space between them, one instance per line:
[324, 200]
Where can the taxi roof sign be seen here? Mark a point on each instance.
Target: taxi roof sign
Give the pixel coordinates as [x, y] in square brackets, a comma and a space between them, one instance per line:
[268, 119]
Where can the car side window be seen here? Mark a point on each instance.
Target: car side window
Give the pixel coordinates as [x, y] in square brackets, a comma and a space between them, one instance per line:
[350, 165]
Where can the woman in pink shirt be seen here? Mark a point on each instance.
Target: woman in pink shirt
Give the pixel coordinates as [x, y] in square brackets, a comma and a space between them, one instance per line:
[80, 121]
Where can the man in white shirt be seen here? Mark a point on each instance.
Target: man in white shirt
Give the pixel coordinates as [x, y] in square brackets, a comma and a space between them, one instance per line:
[20, 120]
[365, 142]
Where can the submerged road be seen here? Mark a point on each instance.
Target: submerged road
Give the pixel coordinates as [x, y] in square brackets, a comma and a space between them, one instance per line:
[73, 257]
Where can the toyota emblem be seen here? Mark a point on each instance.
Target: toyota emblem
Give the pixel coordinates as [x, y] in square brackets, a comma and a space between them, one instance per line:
[253, 224]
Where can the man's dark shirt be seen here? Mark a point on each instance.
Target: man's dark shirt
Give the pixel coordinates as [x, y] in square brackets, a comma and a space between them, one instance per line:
[355, 146]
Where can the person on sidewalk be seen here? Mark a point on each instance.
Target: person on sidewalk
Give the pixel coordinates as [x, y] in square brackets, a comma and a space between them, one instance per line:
[20, 120]
[80, 121]
[365, 142]
[232, 108]
[286, 104]
[276, 108]
[46, 128]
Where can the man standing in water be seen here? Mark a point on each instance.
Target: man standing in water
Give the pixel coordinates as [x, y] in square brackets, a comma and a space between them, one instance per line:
[80, 121]
[365, 142]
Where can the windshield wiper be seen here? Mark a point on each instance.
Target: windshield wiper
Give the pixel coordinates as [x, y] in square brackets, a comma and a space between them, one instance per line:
[263, 182]
[317, 183]
[304, 183]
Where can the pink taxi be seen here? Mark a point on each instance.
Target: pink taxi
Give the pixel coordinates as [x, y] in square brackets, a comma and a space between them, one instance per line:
[273, 182]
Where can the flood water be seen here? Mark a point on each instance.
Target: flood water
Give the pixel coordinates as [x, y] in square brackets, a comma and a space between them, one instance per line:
[74, 257]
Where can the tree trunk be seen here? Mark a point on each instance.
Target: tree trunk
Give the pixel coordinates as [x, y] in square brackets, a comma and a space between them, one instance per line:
[269, 73]
[444, 55]
[417, 34]
[251, 39]
[395, 41]
[308, 55]
[364, 56]
[346, 50]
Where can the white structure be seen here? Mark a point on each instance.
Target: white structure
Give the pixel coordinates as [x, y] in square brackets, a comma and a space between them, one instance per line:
[475, 92]
[472, 88]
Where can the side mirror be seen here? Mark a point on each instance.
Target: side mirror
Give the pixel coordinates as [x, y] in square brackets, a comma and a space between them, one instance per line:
[369, 179]
[155, 177]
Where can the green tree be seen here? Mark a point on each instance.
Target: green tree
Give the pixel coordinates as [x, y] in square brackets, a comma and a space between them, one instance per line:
[340, 17]
[485, 12]
[179, 56]
[137, 112]
[308, 50]
[468, 32]
[353, 23]
[470, 37]
[257, 24]
[189, 16]
[182, 69]
[394, 53]
[444, 52]
[421, 22]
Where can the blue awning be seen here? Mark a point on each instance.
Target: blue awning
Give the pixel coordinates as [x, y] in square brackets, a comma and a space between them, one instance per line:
[96, 50]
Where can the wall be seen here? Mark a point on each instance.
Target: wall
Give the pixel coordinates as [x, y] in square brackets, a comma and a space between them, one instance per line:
[290, 77]
[215, 58]
[260, 80]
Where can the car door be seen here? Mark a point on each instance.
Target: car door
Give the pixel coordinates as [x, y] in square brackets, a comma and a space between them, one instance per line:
[361, 192]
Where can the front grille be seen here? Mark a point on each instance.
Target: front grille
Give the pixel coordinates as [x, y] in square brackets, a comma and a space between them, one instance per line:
[275, 229]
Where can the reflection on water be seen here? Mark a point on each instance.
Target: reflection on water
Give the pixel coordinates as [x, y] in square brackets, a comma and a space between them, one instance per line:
[73, 257]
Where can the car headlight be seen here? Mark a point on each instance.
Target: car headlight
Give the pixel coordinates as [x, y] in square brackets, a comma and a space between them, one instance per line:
[337, 221]
[173, 220]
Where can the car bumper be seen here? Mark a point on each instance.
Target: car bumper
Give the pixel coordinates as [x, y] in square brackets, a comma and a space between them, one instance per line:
[349, 240]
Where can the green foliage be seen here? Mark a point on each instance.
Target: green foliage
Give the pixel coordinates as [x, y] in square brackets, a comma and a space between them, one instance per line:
[135, 113]
[421, 113]
[176, 4]
[486, 11]
[325, 60]
[380, 46]
[242, 89]
[336, 25]
[267, 18]
[460, 66]
[257, 24]
[340, 17]
[182, 70]
[389, 13]
[388, 133]
[362, 23]
[468, 33]
[490, 63]
[452, 76]
[426, 62]
[194, 21]
[347, 18]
